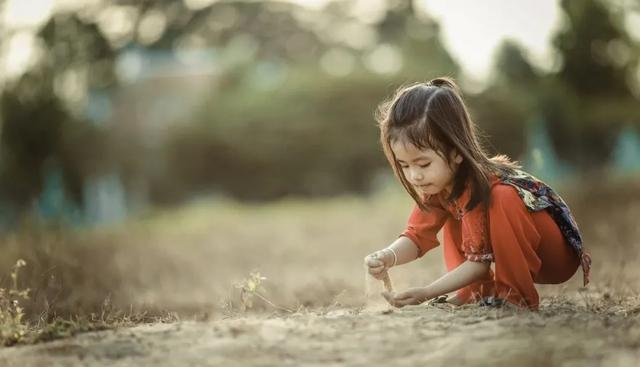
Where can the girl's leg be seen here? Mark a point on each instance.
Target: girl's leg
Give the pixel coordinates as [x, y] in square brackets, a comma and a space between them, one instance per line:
[515, 240]
[453, 257]
[559, 260]
[527, 247]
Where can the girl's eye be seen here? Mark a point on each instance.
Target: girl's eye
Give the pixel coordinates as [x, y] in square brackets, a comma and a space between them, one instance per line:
[420, 165]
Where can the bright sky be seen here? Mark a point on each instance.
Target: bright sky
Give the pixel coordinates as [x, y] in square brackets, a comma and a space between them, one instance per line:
[471, 29]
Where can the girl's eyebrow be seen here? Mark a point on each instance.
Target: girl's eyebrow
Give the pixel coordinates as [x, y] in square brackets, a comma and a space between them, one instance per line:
[417, 159]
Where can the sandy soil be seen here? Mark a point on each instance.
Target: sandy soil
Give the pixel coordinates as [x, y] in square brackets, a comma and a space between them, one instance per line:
[312, 257]
[561, 334]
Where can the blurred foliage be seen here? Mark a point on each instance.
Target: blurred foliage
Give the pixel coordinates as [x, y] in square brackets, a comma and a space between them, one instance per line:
[311, 133]
[309, 137]
[592, 94]
[38, 134]
[289, 110]
[42, 127]
[585, 102]
[597, 54]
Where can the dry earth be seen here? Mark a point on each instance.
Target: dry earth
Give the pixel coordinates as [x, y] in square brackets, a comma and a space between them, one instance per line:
[560, 334]
[312, 256]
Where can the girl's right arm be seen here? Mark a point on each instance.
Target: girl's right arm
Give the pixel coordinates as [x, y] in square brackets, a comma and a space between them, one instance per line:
[401, 251]
[419, 237]
[406, 251]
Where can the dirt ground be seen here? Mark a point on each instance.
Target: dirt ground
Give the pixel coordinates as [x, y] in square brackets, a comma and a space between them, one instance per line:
[311, 253]
[562, 334]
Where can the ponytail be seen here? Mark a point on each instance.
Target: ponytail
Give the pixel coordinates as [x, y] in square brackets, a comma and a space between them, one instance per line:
[445, 82]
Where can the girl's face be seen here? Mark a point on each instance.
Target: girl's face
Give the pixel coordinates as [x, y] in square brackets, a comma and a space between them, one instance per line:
[427, 171]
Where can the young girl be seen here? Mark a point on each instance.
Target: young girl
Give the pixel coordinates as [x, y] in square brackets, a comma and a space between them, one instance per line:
[490, 210]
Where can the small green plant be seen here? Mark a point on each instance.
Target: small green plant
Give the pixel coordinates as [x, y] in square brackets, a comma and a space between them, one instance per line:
[13, 329]
[250, 288]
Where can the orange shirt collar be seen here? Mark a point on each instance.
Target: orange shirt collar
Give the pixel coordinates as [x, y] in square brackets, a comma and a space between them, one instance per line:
[457, 206]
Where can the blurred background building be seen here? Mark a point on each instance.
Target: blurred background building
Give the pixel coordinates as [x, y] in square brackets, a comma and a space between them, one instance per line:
[109, 108]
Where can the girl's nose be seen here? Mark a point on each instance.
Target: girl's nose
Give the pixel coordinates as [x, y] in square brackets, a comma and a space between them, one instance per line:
[416, 176]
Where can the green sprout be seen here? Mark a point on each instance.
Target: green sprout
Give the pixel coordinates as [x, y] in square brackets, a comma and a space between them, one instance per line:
[250, 288]
[12, 326]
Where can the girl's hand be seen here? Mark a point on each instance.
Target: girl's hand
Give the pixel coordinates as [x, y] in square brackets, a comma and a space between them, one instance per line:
[412, 296]
[378, 263]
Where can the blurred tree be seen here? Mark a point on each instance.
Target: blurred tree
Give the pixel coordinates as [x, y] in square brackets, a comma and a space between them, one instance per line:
[289, 111]
[79, 57]
[596, 51]
[597, 73]
[31, 123]
[42, 113]
[512, 67]
[311, 133]
[502, 116]
[38, 131]
[272, 29]
[503, 109]
[417, 35]
[583, 103]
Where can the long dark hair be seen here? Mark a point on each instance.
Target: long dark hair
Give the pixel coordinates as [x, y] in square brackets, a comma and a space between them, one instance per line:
[432, 115]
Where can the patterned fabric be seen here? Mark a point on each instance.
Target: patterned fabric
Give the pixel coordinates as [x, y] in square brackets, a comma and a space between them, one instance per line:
[539, 196]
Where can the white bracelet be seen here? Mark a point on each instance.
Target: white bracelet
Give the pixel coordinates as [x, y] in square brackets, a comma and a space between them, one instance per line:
[395, 256]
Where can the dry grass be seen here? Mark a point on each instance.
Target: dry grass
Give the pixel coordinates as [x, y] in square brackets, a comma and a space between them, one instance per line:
[187, 263]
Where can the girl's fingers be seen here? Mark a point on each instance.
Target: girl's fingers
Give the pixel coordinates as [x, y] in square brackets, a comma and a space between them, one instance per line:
[376, 270]
[400, 302]
[400, 299]
[373, 262]
[403, 295]
[389, 297]
[393, 300]
[406, 301]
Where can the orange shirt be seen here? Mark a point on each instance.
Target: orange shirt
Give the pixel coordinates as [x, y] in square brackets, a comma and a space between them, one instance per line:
[474, 243]
[423, 227]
